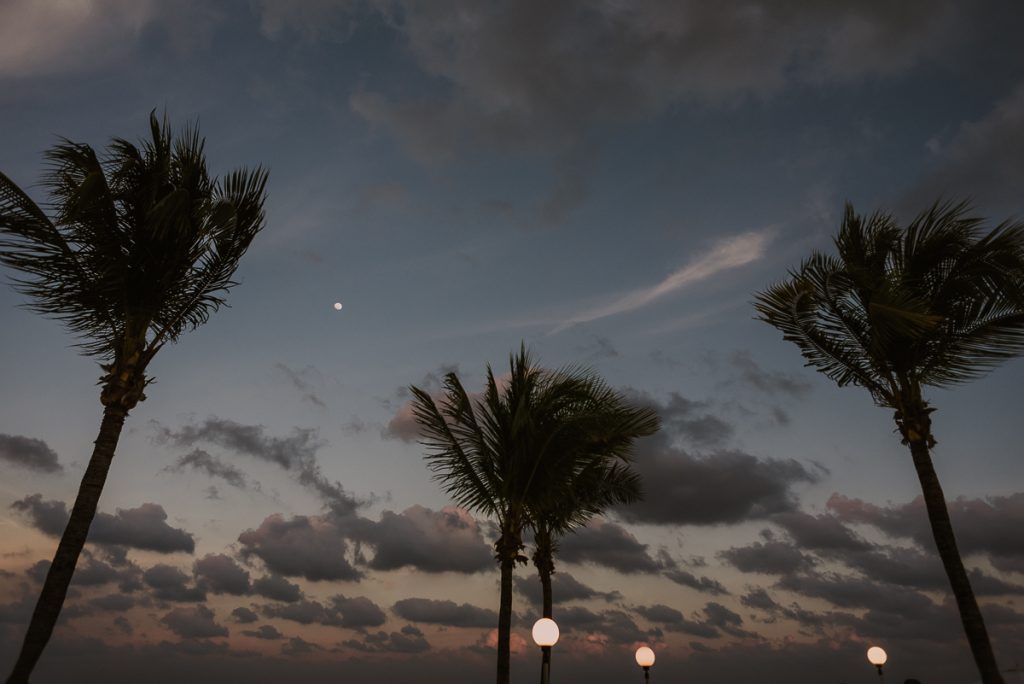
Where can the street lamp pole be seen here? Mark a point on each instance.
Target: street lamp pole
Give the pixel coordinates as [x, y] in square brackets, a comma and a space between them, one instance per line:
[877, 657]
[545, 635]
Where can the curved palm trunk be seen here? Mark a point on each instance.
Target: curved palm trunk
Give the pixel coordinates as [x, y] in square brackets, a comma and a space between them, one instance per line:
[55, 587]
[915, 425]
[945, 541]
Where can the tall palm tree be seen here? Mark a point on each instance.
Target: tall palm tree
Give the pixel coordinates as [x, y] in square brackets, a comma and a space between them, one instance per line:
[141, 245]
[493, 453]
[935, 304]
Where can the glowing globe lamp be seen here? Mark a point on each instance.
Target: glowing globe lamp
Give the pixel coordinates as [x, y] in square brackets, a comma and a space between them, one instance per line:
[545, 632]
[645, 658]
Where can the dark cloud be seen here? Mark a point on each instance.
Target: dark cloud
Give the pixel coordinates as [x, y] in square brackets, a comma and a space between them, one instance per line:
[408, 640]
[244, 616]
[759, 599]
[702, 584]
[220, 574]
[29, 453]
[277, 588]
[855, 566]
[313, 547]
[715, 620]
[615, 626]
[340, 611]
[564, 587]
[819, 532]
[449, 540]
[297, 646]
[610, 545]
[49, 517]
[171, 584]
[193, 623]
[92, 571]
[726, 620]
[681, 488]
[769, 382]
[305, 381]
[304, 612]
[264, 632]
[358, 612]
[846, 591]
[770, 557]
[674, 621]
[989, 526]
[447, 613]
[143, 528]
[295, 453]
[316, 547]
[204, 462]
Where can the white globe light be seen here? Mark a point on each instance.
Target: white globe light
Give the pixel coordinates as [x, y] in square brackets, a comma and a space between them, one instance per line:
[877, 656]
[644, 656]
[545, 632]
[337, 306]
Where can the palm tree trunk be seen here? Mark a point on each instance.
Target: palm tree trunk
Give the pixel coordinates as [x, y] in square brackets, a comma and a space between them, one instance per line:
[55, 587]
[545, 584]
[505, 620]
[945, 541]
[544, 561]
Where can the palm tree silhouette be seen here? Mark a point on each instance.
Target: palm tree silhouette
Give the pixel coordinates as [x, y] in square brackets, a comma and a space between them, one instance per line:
[590, 477]
[496, 454]
[935, 304]
[141, 246]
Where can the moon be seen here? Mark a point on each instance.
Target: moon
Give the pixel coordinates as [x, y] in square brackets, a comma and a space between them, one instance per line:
[337, 306]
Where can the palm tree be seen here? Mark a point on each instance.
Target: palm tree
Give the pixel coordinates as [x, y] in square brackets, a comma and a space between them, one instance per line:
[576, 495]
[587, 479]
[493, 454]
[585, 491]
[141, 246]
[935, 304]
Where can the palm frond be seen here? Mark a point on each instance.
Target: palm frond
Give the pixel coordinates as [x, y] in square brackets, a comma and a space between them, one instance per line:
[939, 302]
[447, 456]
[142, 243]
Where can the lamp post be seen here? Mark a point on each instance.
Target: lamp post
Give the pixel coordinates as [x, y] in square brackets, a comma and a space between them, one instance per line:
[877, 657]
[645, 658]
[545, 635]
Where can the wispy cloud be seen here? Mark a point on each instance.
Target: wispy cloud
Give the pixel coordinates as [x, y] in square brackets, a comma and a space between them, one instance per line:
[730, 253]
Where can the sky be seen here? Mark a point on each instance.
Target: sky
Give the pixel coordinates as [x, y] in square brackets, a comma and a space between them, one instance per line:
[608, 182]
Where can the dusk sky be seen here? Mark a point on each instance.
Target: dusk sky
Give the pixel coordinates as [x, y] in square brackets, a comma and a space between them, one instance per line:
[608, 181]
